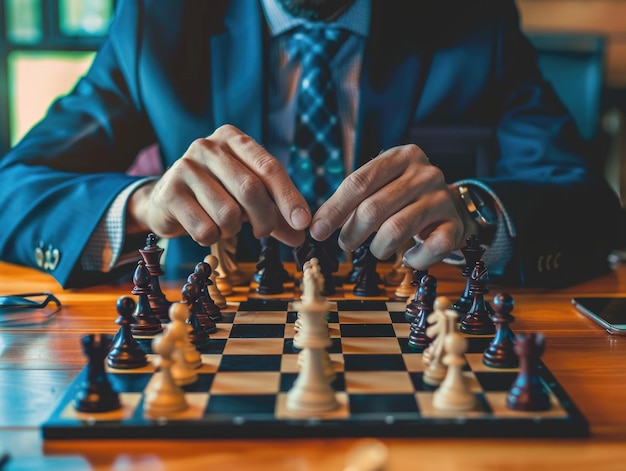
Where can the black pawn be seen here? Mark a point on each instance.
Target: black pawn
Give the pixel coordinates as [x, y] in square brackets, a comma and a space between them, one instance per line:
[478, 318]
[198, 305]
[270, 258]
[151, 254]
[500, 353]
[203, 272]
[199, 335]
[527, 393]
[146, 323]
[95, 393]
[367, 279]
[413, 308]
[472, 252]
[126, 352]
[427, 292]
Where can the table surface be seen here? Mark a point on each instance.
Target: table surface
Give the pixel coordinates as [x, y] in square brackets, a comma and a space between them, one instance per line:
[39, 360]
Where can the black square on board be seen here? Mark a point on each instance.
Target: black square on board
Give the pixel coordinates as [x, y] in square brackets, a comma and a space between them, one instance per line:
[383, 403]
[382, 362]
[236, 405]
[495, 381]
[263, 305]
[250, 363]
[255, 331]
[398, 317]
[125, 382]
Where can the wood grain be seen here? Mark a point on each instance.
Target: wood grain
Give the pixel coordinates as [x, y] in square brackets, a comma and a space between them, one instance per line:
[38, 361]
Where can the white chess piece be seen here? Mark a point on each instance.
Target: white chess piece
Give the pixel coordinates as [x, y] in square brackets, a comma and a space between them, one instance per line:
[437, 330]
[454, 394]
[406, 289]
[165, 397]
[214, 290]
[184, 367]
[312, 393]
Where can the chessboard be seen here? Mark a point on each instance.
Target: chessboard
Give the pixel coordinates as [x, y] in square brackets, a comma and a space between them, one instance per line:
[250, 364]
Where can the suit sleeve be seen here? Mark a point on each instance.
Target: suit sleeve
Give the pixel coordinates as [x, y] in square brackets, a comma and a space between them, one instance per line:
[566, 216]
[60, 179]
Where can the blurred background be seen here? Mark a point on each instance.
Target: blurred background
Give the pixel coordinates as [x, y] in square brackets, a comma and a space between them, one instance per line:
[45, 45]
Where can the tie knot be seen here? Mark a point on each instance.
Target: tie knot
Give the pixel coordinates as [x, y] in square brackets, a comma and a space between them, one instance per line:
[319, 41]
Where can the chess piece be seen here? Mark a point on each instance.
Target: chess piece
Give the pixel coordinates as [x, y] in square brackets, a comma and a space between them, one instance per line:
[478, 318]
[198, 335]
[312, 393]
[199, 306]
[96, 394]
[412, 307]
[213, 288]
[426, 294]
[439, 327]
[405, 289]
[202, 272]
[126, 352]
[151, 254]
[271, 275]
[472, 252]
[146, 323]
[527, 393]
[454, 394]
[226, 252]
[500, 353]
[165, 397]
[367, 280]
[180, 329]
[327, 256]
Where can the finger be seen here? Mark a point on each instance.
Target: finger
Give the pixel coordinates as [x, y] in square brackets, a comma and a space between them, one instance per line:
[436, 246]
[241, 184]
[291, 204]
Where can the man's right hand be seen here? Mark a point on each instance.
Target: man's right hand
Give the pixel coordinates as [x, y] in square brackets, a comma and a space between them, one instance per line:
[220, 182]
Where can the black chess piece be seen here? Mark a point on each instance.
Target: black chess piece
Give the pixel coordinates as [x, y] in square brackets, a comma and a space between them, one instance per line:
[426, 294]
[527, 393]
[412, 308]
[198, 304]
[151, 254]
[271, 274]
[146, 323]
[203, 271]
[357, 263]
[500, 353]
[478, 318]
[472, 252]
[199, 335]
[367, 281]
[270, 248]
[126, 352]
[95, 393]
[326, 253]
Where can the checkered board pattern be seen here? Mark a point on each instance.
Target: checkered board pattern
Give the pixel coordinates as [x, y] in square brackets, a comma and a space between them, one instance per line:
[250, 365]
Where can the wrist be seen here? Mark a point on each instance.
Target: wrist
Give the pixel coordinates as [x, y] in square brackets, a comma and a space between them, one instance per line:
[136, 221]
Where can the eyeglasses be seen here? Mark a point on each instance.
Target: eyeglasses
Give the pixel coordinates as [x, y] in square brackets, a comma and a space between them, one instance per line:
[27, 307]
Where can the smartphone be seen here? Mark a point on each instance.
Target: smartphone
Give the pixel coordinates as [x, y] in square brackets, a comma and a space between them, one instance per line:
[609, 312]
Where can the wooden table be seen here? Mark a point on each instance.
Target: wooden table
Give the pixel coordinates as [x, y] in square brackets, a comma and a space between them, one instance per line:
[38, 361]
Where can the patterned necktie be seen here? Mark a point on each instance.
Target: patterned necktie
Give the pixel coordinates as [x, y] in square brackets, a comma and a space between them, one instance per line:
[316, 157]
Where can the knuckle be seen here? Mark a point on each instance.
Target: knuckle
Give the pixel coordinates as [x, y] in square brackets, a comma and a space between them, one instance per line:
[205, 234]
[251, 187]
[229, 219]
[394, 231]
[371, 211]
[356, 183]
[266, 165]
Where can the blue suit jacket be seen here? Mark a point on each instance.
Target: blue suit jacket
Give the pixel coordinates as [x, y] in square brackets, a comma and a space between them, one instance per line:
[171, 72]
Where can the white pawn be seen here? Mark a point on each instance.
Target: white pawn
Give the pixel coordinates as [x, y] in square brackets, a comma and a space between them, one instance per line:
[214, 290]
[165, 397]
[406, 289]
[454, 394]
[190, 359]
[221, 251]
[437, 330]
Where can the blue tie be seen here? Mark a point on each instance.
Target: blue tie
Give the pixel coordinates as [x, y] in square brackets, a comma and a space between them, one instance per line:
[316, 157]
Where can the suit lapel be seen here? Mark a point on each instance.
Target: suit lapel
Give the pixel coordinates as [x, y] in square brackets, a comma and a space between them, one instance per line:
[237, 73]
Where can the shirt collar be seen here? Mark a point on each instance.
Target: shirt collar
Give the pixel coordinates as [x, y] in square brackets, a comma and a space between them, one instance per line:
[355, 19]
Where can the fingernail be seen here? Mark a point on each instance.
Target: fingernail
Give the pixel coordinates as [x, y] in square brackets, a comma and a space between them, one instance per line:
[320, 230]
[300, 218]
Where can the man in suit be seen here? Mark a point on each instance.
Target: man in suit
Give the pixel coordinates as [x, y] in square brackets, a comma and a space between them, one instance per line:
[213, 84]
